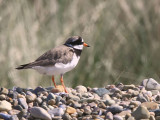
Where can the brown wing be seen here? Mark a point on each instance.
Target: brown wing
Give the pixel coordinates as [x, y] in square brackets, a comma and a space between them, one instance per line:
[61, 54]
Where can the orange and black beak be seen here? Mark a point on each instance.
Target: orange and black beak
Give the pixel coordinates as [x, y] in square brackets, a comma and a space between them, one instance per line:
[85, 44]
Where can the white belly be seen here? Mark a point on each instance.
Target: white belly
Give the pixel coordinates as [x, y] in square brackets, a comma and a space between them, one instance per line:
[58, 68]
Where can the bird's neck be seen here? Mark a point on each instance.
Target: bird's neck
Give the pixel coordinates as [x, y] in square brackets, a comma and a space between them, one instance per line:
[77, 52]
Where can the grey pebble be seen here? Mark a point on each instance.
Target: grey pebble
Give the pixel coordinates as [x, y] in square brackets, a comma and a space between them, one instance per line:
[101, 91]
[14, 117]
[117, 117]
[23, 103]
[150, 84]
[5, 116]
[38, 112]
[141, 98]
[141, 113]
[66, 116]
[109, 116]
[39, 89]
[115, 109]
[51, 96]
[56, 112]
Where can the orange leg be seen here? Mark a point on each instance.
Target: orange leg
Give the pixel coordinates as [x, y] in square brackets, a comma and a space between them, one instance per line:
[54, 82]
[63, 83]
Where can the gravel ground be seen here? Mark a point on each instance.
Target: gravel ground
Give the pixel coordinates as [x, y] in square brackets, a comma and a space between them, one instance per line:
[112, 102]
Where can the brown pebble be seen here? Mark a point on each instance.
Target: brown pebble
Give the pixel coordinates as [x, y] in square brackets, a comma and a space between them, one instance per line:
[51, 102]
[70, 110]
[150, 105]
[58, 89]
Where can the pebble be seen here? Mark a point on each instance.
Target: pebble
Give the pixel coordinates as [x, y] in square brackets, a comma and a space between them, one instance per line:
[58, 89]
[157, 112]
[23, 103]
[74, 97]
[5, 116]
[110, 102]
[150, 84]
[70, 110]
[51, 96]
[117, 117]
[130, 118]
[30, 98]
[87, 110]
[135, 103]
[150, 105]
[141, 113]
[66, 116]
[56, 112]
[109, 116]
[142, 98]
[115, 109]
[5, 106]
[51, 102]
[155, 92]
[40, 113]
[81, 89]
[124, 113]
[106, 97]
[4, 91]
[39, 100]
[38, 90]
[126, 87]
[152, 117]
[101, 91]
[2, 97]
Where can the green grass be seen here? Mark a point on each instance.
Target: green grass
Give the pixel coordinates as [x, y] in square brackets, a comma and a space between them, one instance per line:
[124, 37]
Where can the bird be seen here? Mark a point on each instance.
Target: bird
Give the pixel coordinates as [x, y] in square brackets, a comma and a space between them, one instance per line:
[59, 60]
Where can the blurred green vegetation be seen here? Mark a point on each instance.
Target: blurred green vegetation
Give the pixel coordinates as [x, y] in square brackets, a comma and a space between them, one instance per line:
[124, 36]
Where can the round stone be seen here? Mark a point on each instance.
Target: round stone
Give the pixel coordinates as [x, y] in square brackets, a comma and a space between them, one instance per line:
[150, 84]
[5, 106]
[4, 91]
[56, 112]
[81, 89]
[101, 91]
[115, 109]
[141, 113]
[38, 112]
[70, 110]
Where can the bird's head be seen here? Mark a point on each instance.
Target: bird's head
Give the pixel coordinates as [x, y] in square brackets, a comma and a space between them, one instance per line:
[76, 42]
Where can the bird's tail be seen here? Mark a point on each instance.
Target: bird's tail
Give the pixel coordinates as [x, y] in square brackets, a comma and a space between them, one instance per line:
[25, 66]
